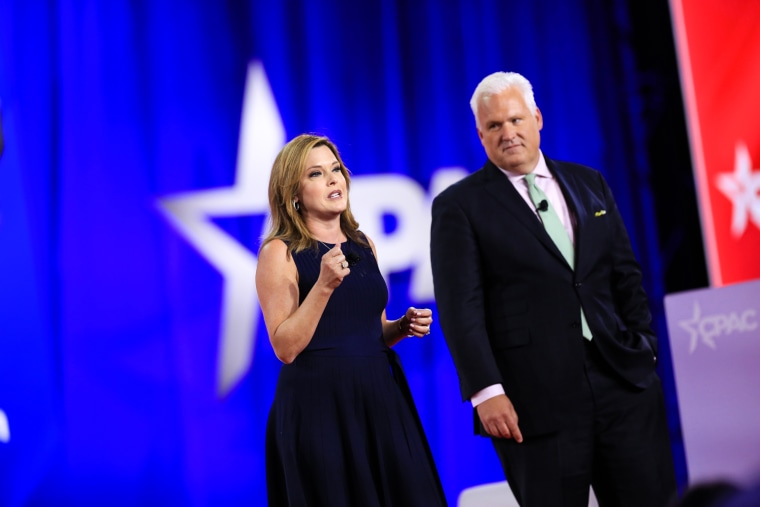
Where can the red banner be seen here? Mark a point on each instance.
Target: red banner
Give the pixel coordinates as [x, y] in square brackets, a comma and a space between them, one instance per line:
[718, 43]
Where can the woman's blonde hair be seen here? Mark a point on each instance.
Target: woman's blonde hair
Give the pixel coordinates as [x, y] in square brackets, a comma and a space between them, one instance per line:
[287, 223]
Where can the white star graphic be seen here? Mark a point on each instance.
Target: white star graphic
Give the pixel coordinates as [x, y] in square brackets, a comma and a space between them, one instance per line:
[5, 429]
[262, 135]
[742, 187]
[693, 326]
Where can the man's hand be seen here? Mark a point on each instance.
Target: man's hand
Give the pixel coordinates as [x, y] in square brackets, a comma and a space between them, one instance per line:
[499, 418]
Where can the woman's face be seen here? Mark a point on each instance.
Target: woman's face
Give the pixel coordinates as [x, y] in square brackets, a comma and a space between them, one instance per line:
[323, 187]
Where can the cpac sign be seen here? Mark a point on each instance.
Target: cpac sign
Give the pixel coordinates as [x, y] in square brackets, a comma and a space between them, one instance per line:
[373, 198]
[709, 327]
[717, 380]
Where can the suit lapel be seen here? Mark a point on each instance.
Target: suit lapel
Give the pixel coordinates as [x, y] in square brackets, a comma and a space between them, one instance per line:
[507, 196]
[573, 191]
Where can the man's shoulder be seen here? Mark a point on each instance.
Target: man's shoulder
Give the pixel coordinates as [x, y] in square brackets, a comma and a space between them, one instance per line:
[575, 168]
[469, 183]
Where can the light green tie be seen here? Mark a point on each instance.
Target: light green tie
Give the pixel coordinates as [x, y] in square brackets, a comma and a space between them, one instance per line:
[556, 231]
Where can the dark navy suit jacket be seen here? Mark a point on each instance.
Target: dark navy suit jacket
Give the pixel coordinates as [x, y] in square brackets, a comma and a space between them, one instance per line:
[509, 304]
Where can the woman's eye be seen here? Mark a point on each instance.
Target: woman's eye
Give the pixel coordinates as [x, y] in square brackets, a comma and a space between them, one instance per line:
[314, 174]
[337, 168]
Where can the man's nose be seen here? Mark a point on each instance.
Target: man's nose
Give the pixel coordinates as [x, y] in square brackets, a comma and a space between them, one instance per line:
[508, 131]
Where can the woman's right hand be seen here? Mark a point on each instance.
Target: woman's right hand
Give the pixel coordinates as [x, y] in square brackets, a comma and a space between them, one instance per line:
[334, 267]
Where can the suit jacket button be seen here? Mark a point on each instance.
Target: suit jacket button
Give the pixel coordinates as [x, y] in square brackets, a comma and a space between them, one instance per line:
[578, 284]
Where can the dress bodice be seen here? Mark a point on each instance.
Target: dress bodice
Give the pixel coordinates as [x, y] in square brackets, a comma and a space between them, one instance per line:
[351, 322]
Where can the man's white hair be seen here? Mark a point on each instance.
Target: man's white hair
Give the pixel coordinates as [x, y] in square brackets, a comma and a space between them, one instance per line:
[498, 82]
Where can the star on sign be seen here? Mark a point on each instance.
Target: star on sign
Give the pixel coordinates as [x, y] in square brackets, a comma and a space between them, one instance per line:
[693, 327]
[742, 188]
[262, 135]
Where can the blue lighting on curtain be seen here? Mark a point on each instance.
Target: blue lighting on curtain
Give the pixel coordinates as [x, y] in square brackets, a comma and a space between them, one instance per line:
[113, 318]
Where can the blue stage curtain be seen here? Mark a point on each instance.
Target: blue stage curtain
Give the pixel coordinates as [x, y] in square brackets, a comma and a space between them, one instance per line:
[111, 320]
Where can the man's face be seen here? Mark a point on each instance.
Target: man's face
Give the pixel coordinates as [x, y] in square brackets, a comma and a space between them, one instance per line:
[509, 131]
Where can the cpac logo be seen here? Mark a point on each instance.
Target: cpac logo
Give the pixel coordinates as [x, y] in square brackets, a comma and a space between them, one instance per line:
[373, 197]
[709, 327]
[743, 188]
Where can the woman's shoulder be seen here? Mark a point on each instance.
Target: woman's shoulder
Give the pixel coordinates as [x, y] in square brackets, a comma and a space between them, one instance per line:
[274, 265]
[275, 250]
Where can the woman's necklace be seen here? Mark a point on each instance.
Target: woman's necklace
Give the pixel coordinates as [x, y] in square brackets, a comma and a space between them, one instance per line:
[351, 258]
[328, 246]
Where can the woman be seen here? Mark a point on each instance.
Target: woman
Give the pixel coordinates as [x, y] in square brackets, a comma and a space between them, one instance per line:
[343, 429]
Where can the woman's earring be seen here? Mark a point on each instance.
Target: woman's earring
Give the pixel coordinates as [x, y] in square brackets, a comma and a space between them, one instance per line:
[296, 205]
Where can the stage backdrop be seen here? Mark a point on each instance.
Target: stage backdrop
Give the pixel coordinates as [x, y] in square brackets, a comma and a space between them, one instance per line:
[134, 366]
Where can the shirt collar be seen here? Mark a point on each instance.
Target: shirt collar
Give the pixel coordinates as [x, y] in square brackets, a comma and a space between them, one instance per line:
[541, 169]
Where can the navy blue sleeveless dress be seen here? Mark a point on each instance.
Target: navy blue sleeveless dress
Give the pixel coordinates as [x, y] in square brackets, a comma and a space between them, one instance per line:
[343, 430]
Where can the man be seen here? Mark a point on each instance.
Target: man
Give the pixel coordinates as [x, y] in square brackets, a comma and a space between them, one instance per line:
[553, 349]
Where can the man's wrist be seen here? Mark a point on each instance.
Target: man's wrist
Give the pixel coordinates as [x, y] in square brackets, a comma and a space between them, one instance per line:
[486, 394]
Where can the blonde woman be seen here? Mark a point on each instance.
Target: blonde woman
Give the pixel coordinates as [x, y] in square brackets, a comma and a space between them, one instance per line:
[343, 429]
